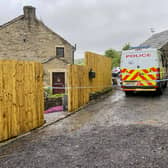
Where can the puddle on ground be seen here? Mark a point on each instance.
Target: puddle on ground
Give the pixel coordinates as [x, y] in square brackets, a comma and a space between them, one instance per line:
[70, 124]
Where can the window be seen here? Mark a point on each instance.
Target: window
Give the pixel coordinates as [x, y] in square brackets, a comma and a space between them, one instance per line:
[60, 51]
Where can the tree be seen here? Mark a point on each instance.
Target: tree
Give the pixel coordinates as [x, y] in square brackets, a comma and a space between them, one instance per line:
[115, 55]
[127, 46]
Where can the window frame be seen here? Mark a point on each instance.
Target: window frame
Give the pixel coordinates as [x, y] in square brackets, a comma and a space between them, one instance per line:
[60, 47]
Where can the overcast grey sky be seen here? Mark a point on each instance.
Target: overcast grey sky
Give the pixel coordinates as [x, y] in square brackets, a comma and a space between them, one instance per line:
[96, 25]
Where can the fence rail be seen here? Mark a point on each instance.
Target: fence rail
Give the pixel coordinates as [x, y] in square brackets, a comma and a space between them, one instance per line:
[21, 97]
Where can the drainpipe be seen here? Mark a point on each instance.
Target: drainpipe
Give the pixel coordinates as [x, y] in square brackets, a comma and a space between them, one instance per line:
[74, 49]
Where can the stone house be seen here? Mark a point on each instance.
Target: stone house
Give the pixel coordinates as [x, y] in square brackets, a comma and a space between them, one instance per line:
[28, 38]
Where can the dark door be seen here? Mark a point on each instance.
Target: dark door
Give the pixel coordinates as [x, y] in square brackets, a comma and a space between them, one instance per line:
[58, 82]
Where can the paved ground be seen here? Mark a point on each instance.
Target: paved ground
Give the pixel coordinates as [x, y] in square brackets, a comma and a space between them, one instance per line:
[52, 117]
[116, 132]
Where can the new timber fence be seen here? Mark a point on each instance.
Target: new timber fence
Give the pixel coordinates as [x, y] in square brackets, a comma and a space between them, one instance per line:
[80, 85]
[21, 97]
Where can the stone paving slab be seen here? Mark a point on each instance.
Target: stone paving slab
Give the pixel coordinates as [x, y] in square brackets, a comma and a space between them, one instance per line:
[52, 117]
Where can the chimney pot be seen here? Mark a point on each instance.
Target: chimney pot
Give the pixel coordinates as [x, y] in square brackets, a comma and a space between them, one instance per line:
[29, 12]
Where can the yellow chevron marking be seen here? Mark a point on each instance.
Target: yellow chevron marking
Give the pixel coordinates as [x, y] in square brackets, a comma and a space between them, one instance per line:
[138, 78]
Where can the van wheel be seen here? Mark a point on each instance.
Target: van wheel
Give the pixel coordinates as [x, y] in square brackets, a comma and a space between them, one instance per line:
[159, 91]
[128, 93]
[165, 85]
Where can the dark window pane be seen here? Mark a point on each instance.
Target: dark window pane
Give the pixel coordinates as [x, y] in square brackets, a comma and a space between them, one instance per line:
[60, 51]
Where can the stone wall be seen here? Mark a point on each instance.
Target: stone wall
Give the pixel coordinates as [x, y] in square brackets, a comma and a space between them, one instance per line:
[53, 66]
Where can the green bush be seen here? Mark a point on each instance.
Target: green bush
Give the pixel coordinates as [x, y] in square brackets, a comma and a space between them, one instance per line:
[48, 90]
[55, 95]
[48, 93]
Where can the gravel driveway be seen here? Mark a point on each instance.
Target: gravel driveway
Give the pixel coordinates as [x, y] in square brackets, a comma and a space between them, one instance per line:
[117, 132]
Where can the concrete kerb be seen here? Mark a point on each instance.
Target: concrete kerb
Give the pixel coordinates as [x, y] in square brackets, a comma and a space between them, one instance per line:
[51, 123]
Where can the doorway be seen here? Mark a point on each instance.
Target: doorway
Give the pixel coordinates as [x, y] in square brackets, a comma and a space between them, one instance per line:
[58, 82]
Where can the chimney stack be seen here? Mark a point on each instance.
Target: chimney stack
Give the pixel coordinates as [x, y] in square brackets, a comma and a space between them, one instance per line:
[29, 12]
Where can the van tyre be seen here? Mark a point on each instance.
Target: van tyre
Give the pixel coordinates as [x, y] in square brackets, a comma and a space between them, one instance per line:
[165, 85]
[128, 93]
[159, 91]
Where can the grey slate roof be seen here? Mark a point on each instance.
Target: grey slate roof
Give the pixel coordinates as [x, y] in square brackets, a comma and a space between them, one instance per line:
[157, 40]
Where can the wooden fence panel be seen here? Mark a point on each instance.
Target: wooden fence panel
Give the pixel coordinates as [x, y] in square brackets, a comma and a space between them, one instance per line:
[78, 93]
[80, 86]
[21, 97]
[102, 66]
